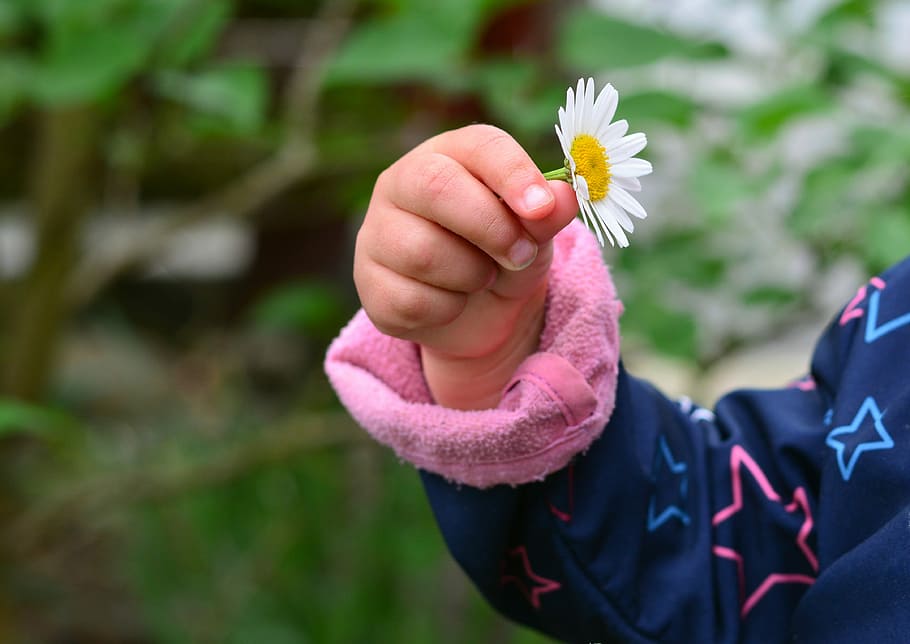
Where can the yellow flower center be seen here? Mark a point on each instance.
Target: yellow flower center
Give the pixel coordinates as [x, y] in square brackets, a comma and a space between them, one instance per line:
[591, 162]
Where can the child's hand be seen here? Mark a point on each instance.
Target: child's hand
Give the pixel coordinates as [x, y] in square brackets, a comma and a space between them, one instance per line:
[441, 260]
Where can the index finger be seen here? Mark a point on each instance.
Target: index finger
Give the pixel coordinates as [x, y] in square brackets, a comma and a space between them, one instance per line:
[497, 159]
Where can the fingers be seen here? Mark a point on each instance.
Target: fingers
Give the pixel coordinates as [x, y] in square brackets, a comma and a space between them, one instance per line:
[443, 220]
[443, 191]
[413, 274]
[494, 157]
[402, 306]
[425, 251]
[565, 208]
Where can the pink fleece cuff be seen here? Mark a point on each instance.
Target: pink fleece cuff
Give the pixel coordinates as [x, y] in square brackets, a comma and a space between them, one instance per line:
[556, 404]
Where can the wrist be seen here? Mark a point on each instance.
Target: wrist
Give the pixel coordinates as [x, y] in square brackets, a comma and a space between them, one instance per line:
[478, 382]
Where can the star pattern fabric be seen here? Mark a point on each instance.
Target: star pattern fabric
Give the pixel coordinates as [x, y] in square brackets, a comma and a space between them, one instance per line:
[843, 439]
[853, 311]
[876, 331]
[565, 514]
[517, 570]
[799, 506]
[796, 498]
[671, 475]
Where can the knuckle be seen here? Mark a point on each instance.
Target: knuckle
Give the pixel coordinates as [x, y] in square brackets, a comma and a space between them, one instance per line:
[414, 251]
[413, 308]
[512, 164]
[490, 136]
[421, 259]
[488, 131]
[436, 174]
[384, 181]
[420, 309]
[514, 169]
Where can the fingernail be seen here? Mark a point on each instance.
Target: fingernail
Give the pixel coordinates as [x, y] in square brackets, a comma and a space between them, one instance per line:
[522, 253]
[536, 197]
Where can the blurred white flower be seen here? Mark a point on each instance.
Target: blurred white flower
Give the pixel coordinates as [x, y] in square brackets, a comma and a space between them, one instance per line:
[599, 161]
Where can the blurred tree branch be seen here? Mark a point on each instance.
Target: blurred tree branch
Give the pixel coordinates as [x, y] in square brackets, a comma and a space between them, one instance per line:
[60, 169]
[243, 197]
[103, 497]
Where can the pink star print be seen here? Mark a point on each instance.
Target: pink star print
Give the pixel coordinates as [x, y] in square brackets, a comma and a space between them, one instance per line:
[739, 458]
[531, 585]
[852, 309]
[566, 515]
[806, 383]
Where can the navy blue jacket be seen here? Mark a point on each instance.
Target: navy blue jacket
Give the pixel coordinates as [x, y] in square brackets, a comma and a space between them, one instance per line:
[781, 515]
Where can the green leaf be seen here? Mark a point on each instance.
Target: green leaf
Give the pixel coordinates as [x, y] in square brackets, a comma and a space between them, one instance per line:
[449, 7]
[194, 32]
[513, 91]
[93, 48]
[885, 145]
[420, 40]
[666, 107]
[406, 47]
[17, 417]
[65, 13]
[235, 94]
[886, 238]
[847, 11]
[12, 17]
[772, 296]
[718, 187]
[590, 40]
[765, 118]
[670, 332]
[826, 211]
[86, 72]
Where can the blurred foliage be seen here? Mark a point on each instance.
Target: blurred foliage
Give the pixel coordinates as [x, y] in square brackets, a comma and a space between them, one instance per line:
[183, 473]
[19, 417]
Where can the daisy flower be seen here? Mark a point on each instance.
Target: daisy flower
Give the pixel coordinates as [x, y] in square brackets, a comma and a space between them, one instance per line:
[599, 161]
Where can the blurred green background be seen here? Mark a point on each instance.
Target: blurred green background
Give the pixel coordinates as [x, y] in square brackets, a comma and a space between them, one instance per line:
[180, 184]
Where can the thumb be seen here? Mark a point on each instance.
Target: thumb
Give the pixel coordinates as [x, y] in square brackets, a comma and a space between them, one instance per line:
[565, 208]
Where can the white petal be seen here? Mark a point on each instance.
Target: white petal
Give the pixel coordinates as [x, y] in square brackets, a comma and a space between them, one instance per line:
[600, 225]
[588, 115]
[584, 113]
[612, 132]
[568, 131]
[620, 215]
[570, 113]
[568, 135]
[631, 168]
[605, 107]
[632, 184]
[627, 202]
[562, 141]
[581, 188]
[627, 146]
[580, 102]
[592, 222]
[608, 220]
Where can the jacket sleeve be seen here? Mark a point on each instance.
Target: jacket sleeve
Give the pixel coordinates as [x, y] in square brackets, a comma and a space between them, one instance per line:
[556, 404]
[754, 522]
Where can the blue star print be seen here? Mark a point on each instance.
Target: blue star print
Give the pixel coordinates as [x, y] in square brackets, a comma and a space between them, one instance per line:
[873, 330]
[664, 456]
[883, 439]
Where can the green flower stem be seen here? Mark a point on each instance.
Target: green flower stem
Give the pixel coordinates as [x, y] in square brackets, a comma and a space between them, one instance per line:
[562, 174]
